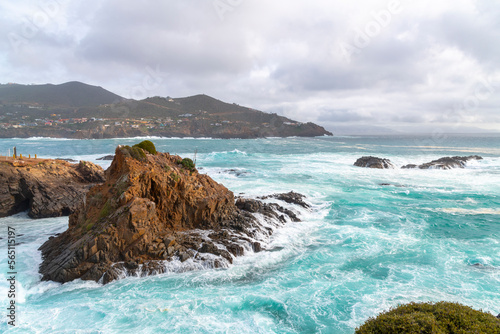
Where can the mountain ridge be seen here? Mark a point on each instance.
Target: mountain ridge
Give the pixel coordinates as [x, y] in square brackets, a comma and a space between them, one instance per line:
[78, 110]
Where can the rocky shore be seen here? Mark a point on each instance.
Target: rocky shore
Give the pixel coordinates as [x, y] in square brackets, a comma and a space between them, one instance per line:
[46, 188]
[154, 210]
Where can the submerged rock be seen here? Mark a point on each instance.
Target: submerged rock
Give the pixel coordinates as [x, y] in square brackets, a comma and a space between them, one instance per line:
[151, 211]
[44, 187]
[409, 166]
[374, 162]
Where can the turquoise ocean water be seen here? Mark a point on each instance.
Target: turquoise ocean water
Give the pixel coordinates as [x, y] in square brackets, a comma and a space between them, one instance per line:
[428, 235]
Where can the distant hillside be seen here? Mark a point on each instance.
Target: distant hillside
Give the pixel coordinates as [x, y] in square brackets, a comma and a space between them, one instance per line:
[70, 94]
[77, 110]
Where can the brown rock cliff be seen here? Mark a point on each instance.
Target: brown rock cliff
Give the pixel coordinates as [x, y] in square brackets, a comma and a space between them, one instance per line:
[44, 187]
[151, 209]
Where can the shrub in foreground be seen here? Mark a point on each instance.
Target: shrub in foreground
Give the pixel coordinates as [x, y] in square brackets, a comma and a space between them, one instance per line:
[430, 318]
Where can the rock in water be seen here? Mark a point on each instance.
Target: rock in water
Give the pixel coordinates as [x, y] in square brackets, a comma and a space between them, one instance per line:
[374, 162]
[153, 208]
[446, 163]
[106, 157]
[290, 197]
[46, 188]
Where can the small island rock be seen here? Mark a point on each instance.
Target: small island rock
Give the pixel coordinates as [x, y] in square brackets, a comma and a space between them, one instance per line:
[374, 162]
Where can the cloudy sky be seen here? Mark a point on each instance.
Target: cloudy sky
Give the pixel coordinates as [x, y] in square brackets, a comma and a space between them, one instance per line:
[399, 64]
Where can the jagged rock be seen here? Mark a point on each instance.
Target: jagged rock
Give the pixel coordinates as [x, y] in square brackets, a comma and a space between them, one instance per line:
[374, 162]
[149, 210]
[290, 197]
[446, 163]
[90, 172]
[107, 157]
[44, 187]
[449, 162]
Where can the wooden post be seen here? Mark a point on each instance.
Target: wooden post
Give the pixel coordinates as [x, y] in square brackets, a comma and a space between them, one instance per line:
[35, 156]
[29, 156]
[15, 153]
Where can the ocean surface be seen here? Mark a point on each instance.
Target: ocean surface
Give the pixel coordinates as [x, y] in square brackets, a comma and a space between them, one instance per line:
[372, 240]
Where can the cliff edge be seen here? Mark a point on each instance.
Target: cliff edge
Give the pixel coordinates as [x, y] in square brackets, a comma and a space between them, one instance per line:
[45, 187]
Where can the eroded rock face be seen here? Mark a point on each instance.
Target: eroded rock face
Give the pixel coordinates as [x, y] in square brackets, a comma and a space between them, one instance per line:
[374, 162]
[150, 212]
[46, 188]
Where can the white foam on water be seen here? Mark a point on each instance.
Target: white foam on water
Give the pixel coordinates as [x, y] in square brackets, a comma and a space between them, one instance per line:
[462, 211]
[361, 249]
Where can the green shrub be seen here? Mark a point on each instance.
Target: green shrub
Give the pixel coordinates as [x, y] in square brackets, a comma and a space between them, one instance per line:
[442, 318]
[135, 152]
[147, 146]
[187, 163]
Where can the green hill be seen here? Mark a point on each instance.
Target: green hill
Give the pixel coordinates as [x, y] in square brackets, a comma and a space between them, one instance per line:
[69, 94]
[78, 110]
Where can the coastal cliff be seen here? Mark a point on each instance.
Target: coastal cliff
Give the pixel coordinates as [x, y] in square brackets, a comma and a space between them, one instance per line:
[46, 188]
[155, 208]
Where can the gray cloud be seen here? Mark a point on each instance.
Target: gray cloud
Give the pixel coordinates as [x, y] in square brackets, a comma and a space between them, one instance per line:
[422, 64]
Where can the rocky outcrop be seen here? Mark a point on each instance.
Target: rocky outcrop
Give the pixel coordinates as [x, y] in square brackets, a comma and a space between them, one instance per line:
[442, 163]
[374, 162]
[154, 211]
[46, 188]
[445, 163]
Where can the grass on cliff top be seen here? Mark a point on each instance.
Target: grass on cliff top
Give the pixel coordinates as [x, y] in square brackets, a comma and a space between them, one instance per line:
[430, 318]
[138, 151]
[134, 152]
[147, 146]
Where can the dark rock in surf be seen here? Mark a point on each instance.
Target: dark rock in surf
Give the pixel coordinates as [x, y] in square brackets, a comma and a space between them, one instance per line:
[290, 197]
[410, 166]
[106, 157]
[446, 163]
[374, 162]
